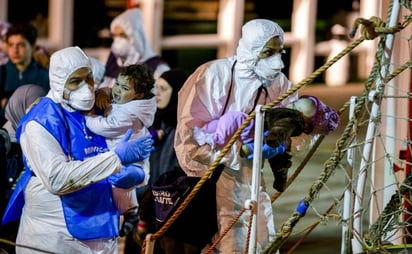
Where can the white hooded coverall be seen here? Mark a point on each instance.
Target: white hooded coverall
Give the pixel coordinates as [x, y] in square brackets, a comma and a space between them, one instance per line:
[131, 22]
[201, 100]
[42, 223]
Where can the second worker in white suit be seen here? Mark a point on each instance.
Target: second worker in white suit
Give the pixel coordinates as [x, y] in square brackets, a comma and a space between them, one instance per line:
[228, 90]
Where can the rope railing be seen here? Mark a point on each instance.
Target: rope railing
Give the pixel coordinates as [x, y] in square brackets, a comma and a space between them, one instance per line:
[5, 241]
[329, 167]
[293, 220]
[211, 169]
[371, 29]
[336, 157]
[365, 35]
[376, 230]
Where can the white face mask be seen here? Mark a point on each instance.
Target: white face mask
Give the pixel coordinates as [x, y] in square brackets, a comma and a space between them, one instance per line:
[81, 99]
[121, 47]
[268, 68]
[133, 57]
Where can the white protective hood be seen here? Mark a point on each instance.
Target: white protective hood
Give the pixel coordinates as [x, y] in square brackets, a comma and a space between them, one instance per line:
[61, 67]
[98, 70]
[132, 23]
[255, 34]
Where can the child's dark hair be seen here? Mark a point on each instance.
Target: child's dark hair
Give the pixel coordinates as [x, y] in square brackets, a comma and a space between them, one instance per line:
[141, 77]
[28, 31]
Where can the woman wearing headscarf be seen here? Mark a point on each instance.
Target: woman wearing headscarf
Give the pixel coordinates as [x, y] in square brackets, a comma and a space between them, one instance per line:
[18, 104]
[130, 46]
[64, 196]
[98, 70]
[228, 90]
[163, 158]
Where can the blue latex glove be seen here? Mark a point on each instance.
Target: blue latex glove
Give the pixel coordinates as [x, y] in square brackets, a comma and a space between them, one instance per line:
[135, 150]
[129, 176]
[267, 151]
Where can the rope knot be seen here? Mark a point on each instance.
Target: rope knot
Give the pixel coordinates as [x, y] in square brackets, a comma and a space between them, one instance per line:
[368, 31]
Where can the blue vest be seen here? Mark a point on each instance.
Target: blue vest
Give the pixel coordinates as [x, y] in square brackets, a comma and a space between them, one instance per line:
[89, 212]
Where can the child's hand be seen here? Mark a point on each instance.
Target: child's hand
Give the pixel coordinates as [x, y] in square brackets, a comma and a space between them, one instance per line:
[103, 99]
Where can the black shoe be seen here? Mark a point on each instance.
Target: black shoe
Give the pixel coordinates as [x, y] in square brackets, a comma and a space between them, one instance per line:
[130, 219]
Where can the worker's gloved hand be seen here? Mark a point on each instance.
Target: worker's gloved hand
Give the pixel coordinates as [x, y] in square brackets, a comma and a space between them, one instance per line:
[135, 150]
[129, 176]
[227, 126]
[267, 151]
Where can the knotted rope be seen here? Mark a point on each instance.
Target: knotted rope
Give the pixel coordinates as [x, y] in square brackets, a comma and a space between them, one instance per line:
[336, 157]
[390, 210]
[247, 121]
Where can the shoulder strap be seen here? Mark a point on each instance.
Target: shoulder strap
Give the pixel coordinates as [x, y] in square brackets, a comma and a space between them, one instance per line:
[259, 92]
[230, 87]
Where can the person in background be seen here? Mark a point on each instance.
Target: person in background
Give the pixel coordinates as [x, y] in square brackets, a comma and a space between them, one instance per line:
[133, 107]
[130, 46]
[230, 89]
[20, 102]
[65, 190]
[21, 68]
[98, 70]
[163, 158]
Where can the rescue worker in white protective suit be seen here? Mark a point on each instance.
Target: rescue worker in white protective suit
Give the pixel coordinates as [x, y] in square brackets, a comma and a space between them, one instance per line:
[228, 90]
[67, 205]
[130, 46]
[98, 70]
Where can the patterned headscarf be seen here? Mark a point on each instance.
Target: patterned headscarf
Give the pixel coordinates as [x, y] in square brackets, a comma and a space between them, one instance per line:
[20, 100]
